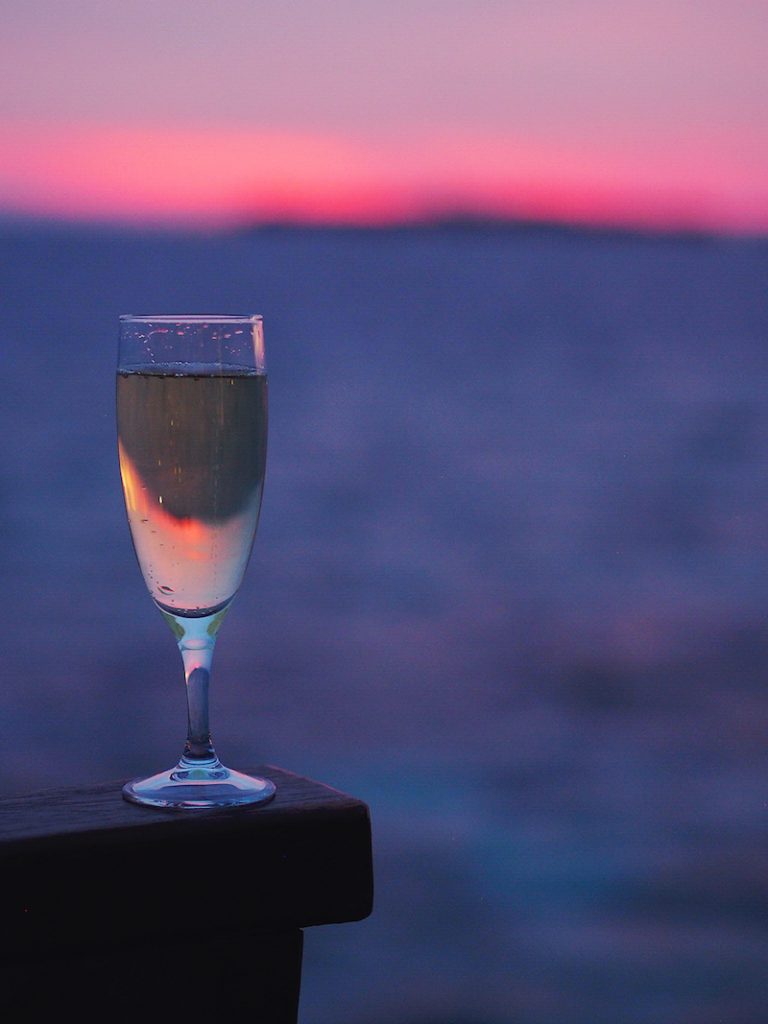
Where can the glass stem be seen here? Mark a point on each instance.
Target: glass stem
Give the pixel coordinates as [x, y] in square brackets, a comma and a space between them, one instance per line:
[198, 655]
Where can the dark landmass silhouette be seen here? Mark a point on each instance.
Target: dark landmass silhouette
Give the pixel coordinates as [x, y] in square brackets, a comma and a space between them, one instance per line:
[456, 224]
[467, 224]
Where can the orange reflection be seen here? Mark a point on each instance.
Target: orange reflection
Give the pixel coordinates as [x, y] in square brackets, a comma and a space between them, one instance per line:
[193, 535]
[187, 564]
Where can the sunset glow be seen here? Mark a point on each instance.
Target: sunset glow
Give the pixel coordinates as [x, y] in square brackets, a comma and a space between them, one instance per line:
[217, 178]
[175, 113]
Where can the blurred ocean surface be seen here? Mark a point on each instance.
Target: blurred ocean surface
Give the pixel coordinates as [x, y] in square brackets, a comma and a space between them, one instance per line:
[510, 587]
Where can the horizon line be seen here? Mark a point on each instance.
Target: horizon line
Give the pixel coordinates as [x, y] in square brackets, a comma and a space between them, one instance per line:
[457, 221]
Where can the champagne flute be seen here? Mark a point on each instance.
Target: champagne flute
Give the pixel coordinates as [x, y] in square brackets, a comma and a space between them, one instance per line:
[192, 441]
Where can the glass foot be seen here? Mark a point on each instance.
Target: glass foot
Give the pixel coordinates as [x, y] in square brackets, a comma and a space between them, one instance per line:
[198, 786]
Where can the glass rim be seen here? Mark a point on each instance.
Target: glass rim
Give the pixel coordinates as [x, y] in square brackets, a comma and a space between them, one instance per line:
[191, 318]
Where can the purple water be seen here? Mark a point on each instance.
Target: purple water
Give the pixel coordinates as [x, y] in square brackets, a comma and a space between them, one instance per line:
[509, 588]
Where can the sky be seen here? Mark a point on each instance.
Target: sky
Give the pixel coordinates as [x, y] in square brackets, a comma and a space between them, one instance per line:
[215, 113]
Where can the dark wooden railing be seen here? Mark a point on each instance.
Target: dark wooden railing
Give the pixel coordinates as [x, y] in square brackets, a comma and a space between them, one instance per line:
[114, 912]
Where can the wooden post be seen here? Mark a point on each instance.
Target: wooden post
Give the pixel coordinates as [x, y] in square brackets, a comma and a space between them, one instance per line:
[118, 912]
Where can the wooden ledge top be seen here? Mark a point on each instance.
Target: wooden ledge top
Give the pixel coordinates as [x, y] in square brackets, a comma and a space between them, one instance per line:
[94, 813]
[82, 863]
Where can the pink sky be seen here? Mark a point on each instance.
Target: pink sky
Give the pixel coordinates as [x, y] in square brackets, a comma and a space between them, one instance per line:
[366, 110]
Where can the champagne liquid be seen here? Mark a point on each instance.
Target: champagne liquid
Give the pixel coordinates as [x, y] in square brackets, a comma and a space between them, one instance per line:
[193, 448]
